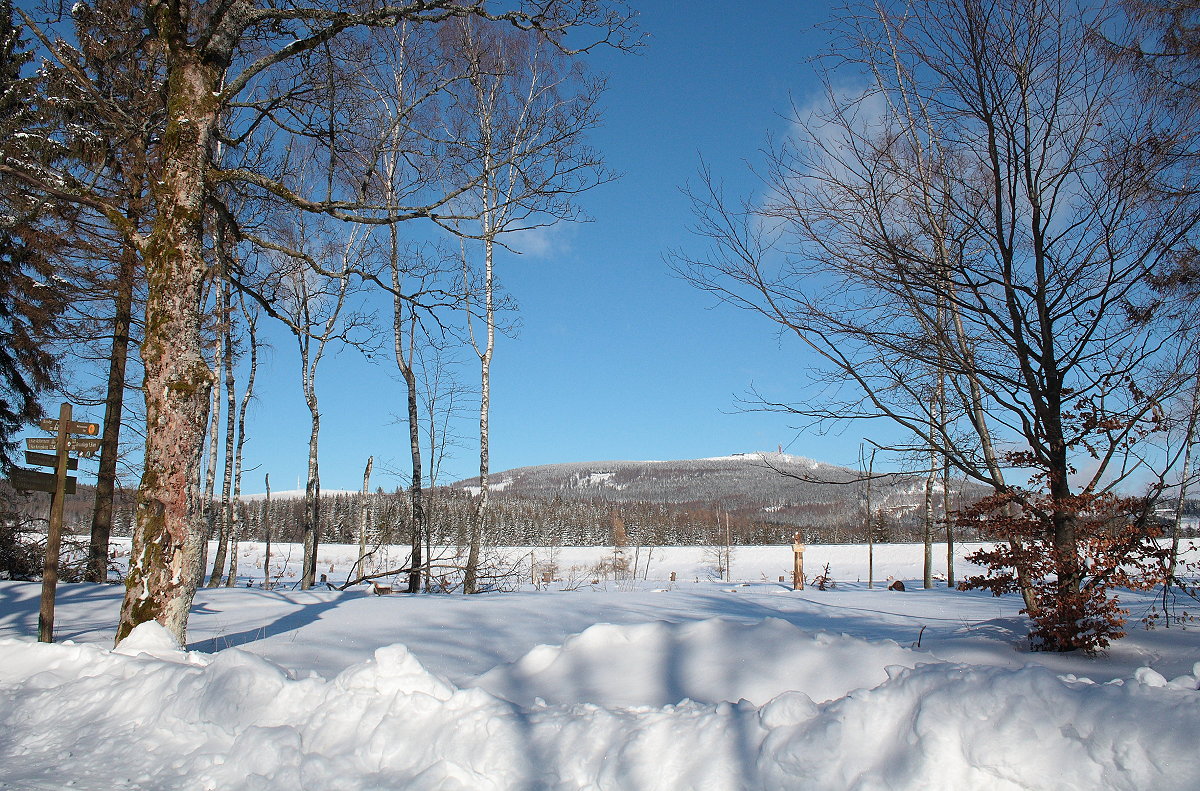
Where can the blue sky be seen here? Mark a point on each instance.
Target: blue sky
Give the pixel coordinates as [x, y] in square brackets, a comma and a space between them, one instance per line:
[616, 358]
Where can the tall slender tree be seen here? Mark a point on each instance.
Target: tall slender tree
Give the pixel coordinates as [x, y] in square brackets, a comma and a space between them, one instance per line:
[520, 122]
[407, 90]
[251, 317]
[312, 307]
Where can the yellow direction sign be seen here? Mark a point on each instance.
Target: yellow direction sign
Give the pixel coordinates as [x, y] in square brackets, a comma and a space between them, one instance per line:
[73, 427]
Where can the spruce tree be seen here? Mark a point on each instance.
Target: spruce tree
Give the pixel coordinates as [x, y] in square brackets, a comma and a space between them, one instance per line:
[30, 297]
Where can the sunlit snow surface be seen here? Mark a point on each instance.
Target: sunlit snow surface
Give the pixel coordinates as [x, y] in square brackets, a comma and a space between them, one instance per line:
[700, 684]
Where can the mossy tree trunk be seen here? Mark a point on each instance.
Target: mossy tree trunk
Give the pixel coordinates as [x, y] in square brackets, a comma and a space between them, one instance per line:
[170, 526]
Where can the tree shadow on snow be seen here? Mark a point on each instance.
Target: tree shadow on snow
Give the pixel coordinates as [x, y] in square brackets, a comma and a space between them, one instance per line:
[81, 609]
[304, 614]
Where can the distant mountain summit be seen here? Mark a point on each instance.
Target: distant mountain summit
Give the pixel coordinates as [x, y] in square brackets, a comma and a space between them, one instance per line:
[773, 485]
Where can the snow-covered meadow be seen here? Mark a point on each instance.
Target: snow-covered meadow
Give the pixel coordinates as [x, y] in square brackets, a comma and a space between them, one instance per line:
[622, 684]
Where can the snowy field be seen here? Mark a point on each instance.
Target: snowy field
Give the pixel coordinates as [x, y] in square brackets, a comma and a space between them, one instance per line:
[621, 684]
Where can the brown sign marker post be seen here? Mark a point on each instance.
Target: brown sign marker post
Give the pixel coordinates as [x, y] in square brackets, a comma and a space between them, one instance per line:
[59, 486]
[798, 562]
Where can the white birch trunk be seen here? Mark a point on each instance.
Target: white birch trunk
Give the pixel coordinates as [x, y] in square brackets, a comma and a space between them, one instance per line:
[224, 522]
[1184, 480]
[267, 533]
[236, 524]
[470, 581]
[363, 516]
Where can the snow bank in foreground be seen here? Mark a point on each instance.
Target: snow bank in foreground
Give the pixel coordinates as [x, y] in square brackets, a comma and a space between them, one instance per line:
[151, 717]
[661, 663]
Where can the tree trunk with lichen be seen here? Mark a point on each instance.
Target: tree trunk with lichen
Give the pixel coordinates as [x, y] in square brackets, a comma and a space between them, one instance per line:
[170, 525]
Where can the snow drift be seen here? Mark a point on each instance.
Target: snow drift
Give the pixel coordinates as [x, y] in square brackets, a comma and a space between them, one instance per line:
[151, 716]
[662, 663]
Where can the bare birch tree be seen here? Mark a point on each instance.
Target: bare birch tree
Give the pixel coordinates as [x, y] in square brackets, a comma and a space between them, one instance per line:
[520, 119]
[407, 91]
[310, 304]
[217, 63]
[364, 513]
[247, 394]
[1057, 353]
[223, 511]
[266, 523]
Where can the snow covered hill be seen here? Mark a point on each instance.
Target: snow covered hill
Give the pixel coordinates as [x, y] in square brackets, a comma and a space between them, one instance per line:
[785, 488]
[758, 475]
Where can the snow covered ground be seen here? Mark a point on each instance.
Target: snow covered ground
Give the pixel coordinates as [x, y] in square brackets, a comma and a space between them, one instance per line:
[622, 684]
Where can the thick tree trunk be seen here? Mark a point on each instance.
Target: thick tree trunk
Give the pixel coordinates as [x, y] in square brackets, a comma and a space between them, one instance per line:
[1064, 517]
[114, 403]
[170, 527]
[235, 537]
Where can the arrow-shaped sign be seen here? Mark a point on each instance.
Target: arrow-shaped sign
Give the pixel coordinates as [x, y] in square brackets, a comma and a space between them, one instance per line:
[46, 460]
[85, 446]
[73, 427]
[34, 481]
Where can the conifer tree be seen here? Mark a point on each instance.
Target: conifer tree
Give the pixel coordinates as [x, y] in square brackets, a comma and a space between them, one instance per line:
[30, 298]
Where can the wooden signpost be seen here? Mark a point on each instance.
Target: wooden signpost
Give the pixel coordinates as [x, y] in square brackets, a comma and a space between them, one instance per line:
[798, 562]
[59, 485]
[34, 481]
[84, 447]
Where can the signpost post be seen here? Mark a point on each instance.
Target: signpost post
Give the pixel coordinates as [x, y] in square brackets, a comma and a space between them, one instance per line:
[798, 562]
[54, 537]
[59, 485]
